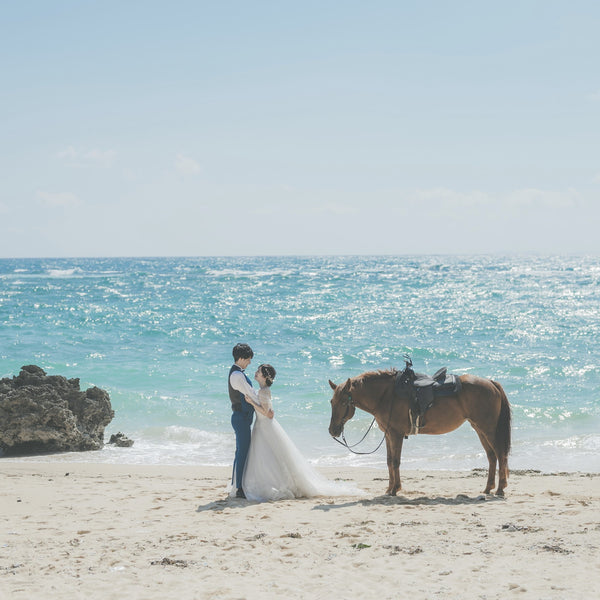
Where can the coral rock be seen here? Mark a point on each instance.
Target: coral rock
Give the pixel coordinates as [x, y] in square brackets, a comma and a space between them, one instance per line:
[42, 413]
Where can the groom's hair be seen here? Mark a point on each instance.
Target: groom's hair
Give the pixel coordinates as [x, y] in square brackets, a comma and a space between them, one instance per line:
[242, 351]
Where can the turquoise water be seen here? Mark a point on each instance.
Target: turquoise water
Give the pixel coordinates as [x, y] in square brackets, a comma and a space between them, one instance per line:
[157, 334]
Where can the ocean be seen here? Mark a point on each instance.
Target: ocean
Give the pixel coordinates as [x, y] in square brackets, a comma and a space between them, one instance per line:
[157, 334]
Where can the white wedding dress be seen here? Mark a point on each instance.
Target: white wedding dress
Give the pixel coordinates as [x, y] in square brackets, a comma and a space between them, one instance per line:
[275, 469]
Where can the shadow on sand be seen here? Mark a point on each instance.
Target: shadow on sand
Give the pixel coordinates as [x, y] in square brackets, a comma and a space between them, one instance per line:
[230, 503]
[461, 499]
[422, 501]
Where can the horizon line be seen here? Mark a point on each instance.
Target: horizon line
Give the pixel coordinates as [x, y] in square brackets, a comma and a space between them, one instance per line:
[308, 255]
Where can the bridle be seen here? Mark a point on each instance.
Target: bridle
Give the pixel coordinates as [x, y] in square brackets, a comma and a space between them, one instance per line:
[350, 404]
[404, 378]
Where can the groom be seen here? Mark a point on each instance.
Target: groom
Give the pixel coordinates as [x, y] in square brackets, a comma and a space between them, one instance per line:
[243, 412]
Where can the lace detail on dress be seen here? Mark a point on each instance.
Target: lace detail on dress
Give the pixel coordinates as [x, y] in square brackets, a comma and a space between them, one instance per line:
[264, 399]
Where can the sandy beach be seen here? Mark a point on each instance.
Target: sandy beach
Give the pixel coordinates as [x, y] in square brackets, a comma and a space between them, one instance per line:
[71, 530]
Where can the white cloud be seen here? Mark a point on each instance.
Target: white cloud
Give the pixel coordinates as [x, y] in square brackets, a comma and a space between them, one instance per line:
[534, 198]
[187, 165]
[73, 157]
[446, 199]
[336, 209]
[299, 210]
[58, 199]
[594, 96]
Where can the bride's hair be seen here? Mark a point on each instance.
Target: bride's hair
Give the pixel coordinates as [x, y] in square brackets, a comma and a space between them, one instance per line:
[268, 372]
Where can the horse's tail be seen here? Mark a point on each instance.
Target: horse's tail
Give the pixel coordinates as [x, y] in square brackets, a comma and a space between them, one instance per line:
[503, 427]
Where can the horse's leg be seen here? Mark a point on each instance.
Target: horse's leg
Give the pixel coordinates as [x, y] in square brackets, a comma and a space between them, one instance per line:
[502, 474]
[492, 458]
[390, 465]
[502, 440]
[393, 443]
[495, 455]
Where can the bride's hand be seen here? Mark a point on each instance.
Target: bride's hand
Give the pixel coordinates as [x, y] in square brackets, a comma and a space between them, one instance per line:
[270, 414]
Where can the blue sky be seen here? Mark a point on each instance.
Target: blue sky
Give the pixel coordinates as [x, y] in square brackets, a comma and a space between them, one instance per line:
[140, 128]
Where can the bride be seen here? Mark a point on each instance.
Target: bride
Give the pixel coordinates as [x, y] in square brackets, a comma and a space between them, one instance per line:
[275, 469]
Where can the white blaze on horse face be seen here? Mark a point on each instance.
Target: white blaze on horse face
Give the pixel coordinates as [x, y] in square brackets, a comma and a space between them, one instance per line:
[338, 410]
[342, 410]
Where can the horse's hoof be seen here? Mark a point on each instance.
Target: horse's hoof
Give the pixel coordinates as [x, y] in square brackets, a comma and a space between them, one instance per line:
[500, 493]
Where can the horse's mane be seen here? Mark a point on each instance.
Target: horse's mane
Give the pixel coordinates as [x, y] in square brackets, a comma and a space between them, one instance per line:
[372, 376]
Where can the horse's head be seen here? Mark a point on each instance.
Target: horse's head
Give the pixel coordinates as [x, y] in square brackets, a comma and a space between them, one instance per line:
[342, 407]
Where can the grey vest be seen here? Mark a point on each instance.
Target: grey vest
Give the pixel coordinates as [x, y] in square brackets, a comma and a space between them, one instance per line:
[238, 401]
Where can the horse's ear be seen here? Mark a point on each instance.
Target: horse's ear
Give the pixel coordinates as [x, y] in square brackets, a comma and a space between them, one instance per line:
[348, 384]
[333, 386]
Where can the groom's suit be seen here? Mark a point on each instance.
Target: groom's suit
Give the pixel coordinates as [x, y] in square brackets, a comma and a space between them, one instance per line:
[241, 421]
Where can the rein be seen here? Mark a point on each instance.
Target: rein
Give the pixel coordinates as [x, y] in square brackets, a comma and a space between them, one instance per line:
[345, 443]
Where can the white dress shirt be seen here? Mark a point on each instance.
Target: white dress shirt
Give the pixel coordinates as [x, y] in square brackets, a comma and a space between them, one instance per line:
[239, 382]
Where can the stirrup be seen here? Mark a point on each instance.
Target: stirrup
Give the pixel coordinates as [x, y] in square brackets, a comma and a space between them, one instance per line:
[415, 423]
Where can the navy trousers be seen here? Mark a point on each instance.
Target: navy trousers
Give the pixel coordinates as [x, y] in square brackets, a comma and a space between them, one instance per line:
[242, 425]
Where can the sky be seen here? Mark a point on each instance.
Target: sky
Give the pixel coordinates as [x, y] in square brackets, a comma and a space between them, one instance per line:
[192, 128]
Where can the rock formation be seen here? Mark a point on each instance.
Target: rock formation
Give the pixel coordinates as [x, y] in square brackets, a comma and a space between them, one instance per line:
[120, 440]
[42, 413]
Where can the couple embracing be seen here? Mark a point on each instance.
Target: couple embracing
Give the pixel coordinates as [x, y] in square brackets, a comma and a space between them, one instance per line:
[267, 464]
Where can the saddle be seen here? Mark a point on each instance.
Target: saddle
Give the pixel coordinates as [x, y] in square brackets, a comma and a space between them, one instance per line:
[422, 391]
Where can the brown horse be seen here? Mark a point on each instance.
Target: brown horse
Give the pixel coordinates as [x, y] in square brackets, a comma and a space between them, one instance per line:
[482, 402]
